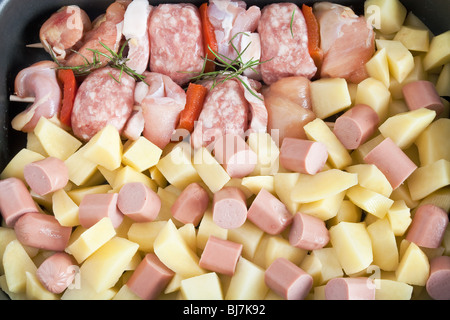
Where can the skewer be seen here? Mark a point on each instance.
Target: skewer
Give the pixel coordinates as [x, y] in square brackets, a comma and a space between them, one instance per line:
[37, 45]
[15, 98]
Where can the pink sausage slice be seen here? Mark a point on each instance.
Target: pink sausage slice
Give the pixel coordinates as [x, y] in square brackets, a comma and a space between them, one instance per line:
[308, 232]
[422, 94]
[139, 202]
[303, 156]
[428, 226]
[95, 207]
[57, 272]
[235, 155]
[42, 231]
[15, 200]
[356, 125]
[150, 277]
[288, 280]
[269, 213]
[229, 208]
[392, 161]
[438, 283]
[220, 255]
[350, 289]
[191, 204]
[47, 175]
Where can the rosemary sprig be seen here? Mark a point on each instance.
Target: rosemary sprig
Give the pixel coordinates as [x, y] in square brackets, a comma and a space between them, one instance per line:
[292, 23]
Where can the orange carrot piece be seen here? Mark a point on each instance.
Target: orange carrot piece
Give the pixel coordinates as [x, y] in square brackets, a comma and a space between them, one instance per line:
[195, 97]
[69, 85]
[209, 38]
[312, 26]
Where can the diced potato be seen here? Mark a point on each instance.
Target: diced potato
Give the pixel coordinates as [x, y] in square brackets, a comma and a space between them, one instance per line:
[440, 198]
[65, 209]
[348, 212]
[167, 198]
[203, 287]
[174, 284]
[56, 141]
[399, 216]
[91, 239]
[417, 73]
[375, 94]
[78, 194]
[324, 184]
[385, 15]
[336, 99]
[400, 59]
[353, 246]
[80, 168]
[378, 68]
[128, 174]
[404, 128]
[370, 177]
[267, 152]
[412, 20]
[323, 209]
[338, 156]
[177, 166]
[414, 39]
[145, 233]
[35, 290]
[15, 167]
[319, 293]
[402, 193]
[283, 183]
[207, 228]
[331, 267]
[429, 178]
[158, 177]
[439, 52]
[370, 201]
[247, 283]
[278, 246]
[83, 290]
[249, 236]
[433, 143]
[125, 293]
[16, 262]
[210, 170]
[6, 236]
[256, 183]
[414, 267]
[313, 266]
[392, 290]
[173, 251]
[104, 267]
[141, 154]
[189, 235]
[397, 106]
[384, 247]
[443, 81]
[34, 144]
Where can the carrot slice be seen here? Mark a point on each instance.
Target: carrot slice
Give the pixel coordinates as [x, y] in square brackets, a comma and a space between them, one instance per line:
[195, 96]
[312, 26]
[69, 84]
[209, 38]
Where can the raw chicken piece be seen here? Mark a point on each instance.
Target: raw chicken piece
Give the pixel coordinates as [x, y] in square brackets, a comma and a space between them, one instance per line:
[347, 42]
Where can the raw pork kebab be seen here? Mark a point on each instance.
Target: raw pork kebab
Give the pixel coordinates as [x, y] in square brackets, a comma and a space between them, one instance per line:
[278, 48]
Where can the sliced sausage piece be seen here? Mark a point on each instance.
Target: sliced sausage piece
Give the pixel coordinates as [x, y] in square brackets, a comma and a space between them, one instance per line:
[42, 231]
[304, 156]
[220, 255]
[47, 175]
[235, 155]
[438, 283]
[422, 94]
[102, 100]
[350, 289]
[288, 280]
[139, 202]
[57, 272]
[191, 204]
[229, 208]
[150, 277]
[392, 161]
[308, 232]
[176, 43]
[269, 213]
[15, 200]
[94, 207]
[356, 125]
[428, 226]
[284, 43]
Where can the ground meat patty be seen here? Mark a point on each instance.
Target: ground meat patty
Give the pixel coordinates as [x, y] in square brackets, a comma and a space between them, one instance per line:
[176, 45]
[101, 100]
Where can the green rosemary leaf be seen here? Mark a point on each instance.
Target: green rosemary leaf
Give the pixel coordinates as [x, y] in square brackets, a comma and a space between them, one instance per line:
[292, 23]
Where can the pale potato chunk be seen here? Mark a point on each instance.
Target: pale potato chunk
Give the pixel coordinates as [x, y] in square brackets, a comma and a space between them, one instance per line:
[65, 209]
[127, 174]
[15, 167]
[433, 143]
[402, 193]
[210, 170]
[440, 198]
[330, 265]
[168, 196]
[125, 293]
[207, 228]
[414, 39]
[256, 183]
[277, 247]
[249, 236]
[313, 266]
[6, 236]
[385, 15]
[392, 290]
[399, 216]
[145, 233]
[203, 287]
[16, 262]
[414, 267]
[439, 52]
[429, 178]
[384, 246]
[348, 211]
[375, 94]
[336, 99]
[35, 290]
[247, 283]
[400, 59]
[80, 168]
[35, 145]
[323, 209]
[158, 177]
[283, 183]
[141, 154]
[83, 290]
[370, 201]
[378, 67]
[266, 147]
[189, 234]
[443, 81]
[370, 177]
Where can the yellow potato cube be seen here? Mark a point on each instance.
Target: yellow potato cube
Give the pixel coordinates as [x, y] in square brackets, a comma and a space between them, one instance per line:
[440, 198]
[414, 267]
[414, 39]
[439, 51]
[443, 81]
[397, 106]
[207, 228]
[249, 236]
[158, 177]
[348, 211]
[91, 239]
[378, 68]
[15, 167]
[80, 168]
[256, 183]
[392, 290]
[65, 209]
[429, 178]
[400, 59]
[336, 99]
[402, 193]
[105, 148]
[167, 198]
[141, 154]
[125, 293]
[56, 141]
[267, 150]
[324, 184]
[384, 246]
[312, 265]
[210, 170]
[353, 246]
[433, 143]
[247, 283]
[375, 94]
[370, 177]
[6, 236]
[385, 15]
[145, 233]
[11, 295]
[359, 154]
[283, 183]
[404, 128]
[16, 262]
[399, 216]
[370, 201]
[35, 290]
[78, 194]
[203, 287]
[189, 234]
[128, 174]
[173, 251]
[35, 145]
[323, 209]
[330, 265]
[338, 156]
[83, 290]
[277, 247]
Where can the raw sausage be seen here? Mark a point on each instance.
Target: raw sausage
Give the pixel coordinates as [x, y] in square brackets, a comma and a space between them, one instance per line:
[220, 255]
[138, 202]
[57, 272]
[191, 204]
[47, 175]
